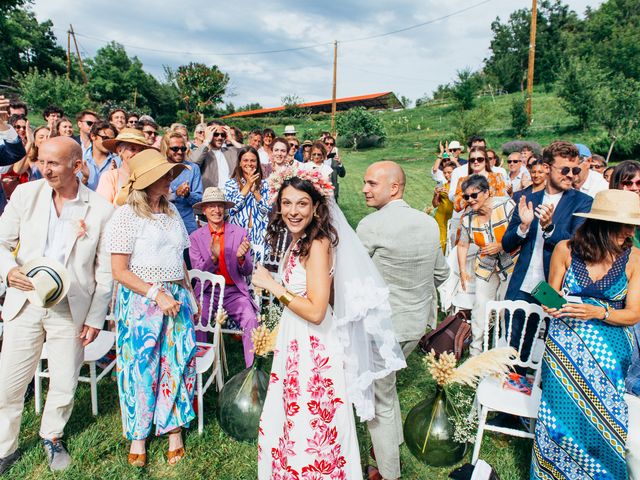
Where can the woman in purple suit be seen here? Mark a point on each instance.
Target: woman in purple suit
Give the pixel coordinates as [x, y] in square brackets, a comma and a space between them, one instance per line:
[222, 248]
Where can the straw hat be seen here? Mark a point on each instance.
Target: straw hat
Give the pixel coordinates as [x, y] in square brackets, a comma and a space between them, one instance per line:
[128, 135]
[50, 281]
[619, 206]
[147, 167]
[290, 130]
[213, 195]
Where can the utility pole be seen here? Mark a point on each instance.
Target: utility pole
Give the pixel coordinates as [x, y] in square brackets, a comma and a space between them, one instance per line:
[333, 98]
[68, 54]
[84, 75]
[532, 56]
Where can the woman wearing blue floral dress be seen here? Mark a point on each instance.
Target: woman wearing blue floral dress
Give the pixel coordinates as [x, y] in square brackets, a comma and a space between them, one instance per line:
[581, 431]
[155, 346]
[250, 194]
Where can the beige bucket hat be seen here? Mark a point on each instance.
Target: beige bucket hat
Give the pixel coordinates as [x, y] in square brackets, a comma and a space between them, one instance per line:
[213, 195]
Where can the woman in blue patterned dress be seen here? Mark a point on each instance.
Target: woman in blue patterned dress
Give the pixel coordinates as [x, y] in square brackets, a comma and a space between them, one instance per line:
[250, 194]
[582, 420]
[155, 347]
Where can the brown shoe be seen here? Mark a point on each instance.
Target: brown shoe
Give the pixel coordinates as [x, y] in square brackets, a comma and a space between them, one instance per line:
[138, 460]
[373, 473]
[174, 456]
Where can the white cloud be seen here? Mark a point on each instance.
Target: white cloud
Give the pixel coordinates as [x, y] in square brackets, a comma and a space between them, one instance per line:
[411, 63]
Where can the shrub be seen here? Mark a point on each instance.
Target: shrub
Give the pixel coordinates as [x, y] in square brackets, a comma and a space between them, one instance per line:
[467, 123]
[357, 126]
[577, 88]
[519, 118]
[42, 89]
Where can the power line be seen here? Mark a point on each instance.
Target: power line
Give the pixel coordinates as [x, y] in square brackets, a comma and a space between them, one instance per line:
[291, 49]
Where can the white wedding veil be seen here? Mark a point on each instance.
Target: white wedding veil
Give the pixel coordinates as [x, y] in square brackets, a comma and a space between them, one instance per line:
[362, 317]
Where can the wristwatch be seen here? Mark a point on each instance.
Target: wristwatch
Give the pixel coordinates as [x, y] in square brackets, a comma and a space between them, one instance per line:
[607, 312]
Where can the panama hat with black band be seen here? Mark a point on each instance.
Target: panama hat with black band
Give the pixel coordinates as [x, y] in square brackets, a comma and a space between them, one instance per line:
[127, 135]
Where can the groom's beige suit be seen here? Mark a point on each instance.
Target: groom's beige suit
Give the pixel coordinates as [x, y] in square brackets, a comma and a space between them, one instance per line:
[404, 244]
[75, 238]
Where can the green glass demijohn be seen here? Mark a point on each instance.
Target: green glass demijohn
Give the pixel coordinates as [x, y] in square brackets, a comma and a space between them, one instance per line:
[428, 432]
[241, 401]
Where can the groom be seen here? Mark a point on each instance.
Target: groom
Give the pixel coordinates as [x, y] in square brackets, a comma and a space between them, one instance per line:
[404, 244]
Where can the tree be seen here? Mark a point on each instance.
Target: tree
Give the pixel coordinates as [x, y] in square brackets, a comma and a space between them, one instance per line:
[465, 89]
[507, 65]
[26, 43]
[42, 89]
[577, 87]
[115, 79]
[358, 124]
[201, 88]
[404, 101]
[618, 110]
[519, 117]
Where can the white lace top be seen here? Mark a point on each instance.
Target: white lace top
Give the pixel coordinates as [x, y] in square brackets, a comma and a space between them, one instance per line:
[155, 246]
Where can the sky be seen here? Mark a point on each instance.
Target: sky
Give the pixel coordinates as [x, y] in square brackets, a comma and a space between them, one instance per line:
[228, 34]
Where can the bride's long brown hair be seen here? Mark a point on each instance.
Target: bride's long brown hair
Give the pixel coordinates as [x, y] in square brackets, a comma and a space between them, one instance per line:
[320, 226]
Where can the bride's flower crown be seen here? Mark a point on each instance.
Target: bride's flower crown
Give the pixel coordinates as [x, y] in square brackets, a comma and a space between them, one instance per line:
[320, 182]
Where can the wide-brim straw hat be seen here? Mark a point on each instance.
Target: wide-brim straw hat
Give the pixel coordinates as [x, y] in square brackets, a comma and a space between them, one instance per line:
[290, 130]
[50, 281]
[146, 168]
[455, 145]
[128, 135]
[618, 206]
[213, 195]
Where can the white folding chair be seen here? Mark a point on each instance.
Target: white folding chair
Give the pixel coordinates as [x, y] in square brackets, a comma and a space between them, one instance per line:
[491, 396]
[209, 355]
[93, 352]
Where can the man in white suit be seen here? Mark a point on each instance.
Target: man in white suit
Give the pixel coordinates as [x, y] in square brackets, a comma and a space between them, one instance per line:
[404, 243]
[56, 217]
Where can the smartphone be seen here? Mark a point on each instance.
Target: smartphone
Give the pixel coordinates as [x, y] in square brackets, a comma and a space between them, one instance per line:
[547, 296]
[331, 155]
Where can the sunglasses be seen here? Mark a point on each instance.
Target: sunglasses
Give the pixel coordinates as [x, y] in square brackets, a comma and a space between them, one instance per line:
[565, 170]
[199, 132]
[132, 122]
[597, 167]
[513, 161]
[316, 155]
[473, 196]
[630, 183]
[220, 134]
[329, 144]
[178, 149]
[19, 127]
[105, 137]
[268, 136]
[89, 122]
[293, 145]
[151, 133]
[477, 160]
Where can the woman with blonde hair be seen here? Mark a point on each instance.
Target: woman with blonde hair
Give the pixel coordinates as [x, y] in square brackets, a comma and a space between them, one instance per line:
[155, 347]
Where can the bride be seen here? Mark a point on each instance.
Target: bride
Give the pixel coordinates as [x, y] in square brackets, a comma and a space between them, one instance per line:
[325, 359]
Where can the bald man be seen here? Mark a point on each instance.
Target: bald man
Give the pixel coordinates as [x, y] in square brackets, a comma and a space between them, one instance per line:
[404, 243]
[59, 218]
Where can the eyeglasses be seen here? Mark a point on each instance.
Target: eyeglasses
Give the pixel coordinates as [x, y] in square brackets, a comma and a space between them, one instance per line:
[565, 170]
[596, 167]
[220, 134]
[20, 127]
[178, 149]
[630, 183]
[473, 196]
[513, 161]
[150, 133]
[477, 160]
[105, 137]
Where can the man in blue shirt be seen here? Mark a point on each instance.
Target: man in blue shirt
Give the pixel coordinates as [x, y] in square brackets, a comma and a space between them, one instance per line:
[97, 159]
[186, 188]
[633, 402]
[11, 147]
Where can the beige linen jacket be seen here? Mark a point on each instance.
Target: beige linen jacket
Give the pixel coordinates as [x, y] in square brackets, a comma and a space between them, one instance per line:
[26, 220]
[404, 245]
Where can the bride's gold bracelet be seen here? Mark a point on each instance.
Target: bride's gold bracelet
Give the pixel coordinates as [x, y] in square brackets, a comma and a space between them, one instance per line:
[286, 298]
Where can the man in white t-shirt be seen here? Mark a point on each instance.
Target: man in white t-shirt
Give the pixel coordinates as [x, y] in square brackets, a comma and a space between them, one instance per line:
[588, 181]
[541, 220]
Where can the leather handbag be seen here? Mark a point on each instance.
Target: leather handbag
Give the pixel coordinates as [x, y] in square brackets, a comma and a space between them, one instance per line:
[452, 335]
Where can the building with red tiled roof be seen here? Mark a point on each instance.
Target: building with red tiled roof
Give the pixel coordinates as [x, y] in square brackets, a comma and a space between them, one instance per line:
[380, 101]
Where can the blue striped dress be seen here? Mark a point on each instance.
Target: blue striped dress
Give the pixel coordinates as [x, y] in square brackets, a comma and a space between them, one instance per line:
[582, 421]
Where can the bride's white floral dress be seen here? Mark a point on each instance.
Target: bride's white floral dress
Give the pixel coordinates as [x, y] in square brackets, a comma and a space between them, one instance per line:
[307, 428]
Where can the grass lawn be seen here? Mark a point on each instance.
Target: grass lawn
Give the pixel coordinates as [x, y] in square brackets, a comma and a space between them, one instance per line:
[96, 444]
